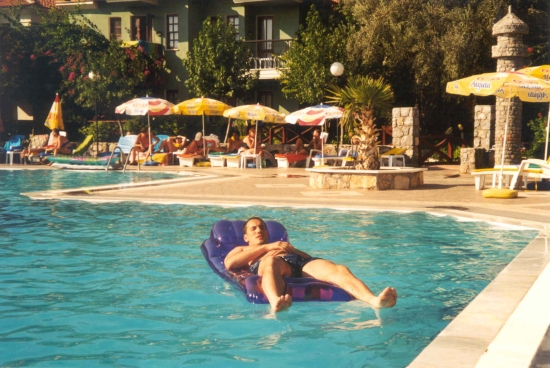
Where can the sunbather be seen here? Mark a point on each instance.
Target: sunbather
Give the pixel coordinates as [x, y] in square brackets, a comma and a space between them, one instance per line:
[143, 143]
[234, 143]
[280, 259]
[196, 147]
[60, 144]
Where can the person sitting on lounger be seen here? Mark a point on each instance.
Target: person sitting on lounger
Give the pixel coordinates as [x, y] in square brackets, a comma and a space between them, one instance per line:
[143, 143]
[274, 261]
[249, 143]
[172, 144]
[196, 147]
[60, 144]
[234, 143]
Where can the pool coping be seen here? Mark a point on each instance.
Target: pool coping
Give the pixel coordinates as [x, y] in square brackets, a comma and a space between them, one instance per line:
[504, 324]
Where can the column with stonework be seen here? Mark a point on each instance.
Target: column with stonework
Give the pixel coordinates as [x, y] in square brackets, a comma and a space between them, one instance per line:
[406, 132]
[511, 54]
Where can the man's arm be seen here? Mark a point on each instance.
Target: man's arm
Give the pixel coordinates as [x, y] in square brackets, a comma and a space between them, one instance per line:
[240, 256]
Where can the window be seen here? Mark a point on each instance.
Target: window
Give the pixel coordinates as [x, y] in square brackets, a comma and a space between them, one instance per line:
[115, 28]
[172, 95]
[172, 31]
[265, 98]
[234, 19]
[265, 33]
[141, 28]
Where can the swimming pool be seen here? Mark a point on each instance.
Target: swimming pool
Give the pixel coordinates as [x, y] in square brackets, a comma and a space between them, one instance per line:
[125, 284]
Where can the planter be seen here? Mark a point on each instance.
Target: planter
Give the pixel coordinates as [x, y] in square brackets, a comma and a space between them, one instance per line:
[387, 178]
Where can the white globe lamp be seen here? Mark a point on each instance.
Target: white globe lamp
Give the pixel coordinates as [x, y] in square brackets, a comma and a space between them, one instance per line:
[337, 69]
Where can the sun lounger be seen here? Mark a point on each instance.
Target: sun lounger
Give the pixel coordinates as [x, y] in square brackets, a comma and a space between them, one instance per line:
[341, 159]
[531, 169]
[391, 158]
[14, 146]
[189, 159]
[285, 159]
[480, 175]
[232, 160]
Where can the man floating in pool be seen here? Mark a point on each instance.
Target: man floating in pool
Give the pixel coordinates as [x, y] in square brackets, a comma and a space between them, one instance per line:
[276, 260]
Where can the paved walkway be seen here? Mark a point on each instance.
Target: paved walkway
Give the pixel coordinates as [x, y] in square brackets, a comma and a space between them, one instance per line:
[502, 327]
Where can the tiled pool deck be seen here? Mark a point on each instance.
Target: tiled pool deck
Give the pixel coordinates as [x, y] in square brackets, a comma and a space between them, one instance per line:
[506, 325]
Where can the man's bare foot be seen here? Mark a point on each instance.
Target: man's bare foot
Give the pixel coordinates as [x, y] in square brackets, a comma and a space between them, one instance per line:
[386, 299]
[282, 303]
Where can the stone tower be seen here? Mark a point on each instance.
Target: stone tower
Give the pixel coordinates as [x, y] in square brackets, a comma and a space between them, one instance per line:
[511, 54]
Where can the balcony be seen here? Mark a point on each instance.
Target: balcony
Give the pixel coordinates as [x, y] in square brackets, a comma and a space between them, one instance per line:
[266, 56]
[81, 4]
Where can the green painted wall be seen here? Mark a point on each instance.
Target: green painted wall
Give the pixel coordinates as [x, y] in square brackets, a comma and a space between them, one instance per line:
[191, 14]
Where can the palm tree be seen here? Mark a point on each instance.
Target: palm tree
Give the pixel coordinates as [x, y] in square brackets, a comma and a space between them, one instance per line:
[361, 98]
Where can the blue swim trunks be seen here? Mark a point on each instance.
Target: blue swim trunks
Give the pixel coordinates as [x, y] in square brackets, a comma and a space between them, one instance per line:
[295, 262]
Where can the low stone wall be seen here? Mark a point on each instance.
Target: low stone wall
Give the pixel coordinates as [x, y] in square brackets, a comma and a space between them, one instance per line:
[383, 179]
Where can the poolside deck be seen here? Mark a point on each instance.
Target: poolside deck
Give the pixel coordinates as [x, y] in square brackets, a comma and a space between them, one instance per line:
[504, 326]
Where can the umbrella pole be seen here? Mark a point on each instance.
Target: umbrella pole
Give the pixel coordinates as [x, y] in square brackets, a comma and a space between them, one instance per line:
[228, 125]
[547, 131]
[504, 145]
[203, 136]
[150, 153]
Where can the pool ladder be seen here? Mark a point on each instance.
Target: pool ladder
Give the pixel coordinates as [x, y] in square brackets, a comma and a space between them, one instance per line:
[121, 158]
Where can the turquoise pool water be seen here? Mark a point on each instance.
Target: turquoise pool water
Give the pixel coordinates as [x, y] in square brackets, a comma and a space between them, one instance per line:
[125, 284]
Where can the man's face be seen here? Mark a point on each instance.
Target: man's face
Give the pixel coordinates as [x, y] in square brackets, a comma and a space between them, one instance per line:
[256, 232]
[252, 132]
[315, 134]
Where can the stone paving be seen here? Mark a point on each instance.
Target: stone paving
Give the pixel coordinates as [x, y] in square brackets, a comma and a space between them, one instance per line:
[504, 326]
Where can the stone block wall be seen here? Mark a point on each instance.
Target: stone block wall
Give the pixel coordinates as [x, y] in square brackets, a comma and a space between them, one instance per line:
[406, 131]
[471, 159]
[484, 126]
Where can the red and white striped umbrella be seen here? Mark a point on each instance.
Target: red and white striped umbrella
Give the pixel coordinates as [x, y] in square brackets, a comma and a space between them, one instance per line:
[146, 106]
[315, 115]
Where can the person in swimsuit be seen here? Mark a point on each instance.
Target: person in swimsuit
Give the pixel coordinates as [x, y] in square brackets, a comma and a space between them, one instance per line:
[196, 147]
[280, 259]
[234, 143]
[60, 144]
[143, 143]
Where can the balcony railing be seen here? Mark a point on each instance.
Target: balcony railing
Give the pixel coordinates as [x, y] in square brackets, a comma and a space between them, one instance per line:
[266, 53]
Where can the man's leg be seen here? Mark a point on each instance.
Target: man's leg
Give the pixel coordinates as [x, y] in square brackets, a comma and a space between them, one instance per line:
[272, 270]
[341, 276]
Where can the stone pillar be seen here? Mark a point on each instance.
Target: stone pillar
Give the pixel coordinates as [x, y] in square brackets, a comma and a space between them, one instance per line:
[484, 126]
[406, 131]
[471, 159]
[510, 53]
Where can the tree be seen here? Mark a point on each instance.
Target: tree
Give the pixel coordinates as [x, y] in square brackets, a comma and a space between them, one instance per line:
[363, 98]
[218, 64]
[306, 73]
[57, 55]
[418, 46]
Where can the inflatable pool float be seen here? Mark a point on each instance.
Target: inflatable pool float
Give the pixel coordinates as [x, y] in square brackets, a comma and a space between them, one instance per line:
[226, 235]
[499, 193]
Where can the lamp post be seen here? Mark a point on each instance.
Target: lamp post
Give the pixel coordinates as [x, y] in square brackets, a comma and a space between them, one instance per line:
[337, 69]
[92, 76]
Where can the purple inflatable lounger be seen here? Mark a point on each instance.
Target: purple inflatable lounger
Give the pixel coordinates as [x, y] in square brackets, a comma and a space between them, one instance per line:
[226, 235]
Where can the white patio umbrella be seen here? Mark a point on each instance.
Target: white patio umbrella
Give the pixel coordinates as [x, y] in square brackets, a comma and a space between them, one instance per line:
[316, 116]
[149, 106]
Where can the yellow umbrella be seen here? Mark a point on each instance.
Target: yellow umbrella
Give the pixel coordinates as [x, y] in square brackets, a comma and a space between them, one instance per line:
[506, 85]
[201, 106]
[55, 117]
[255, 112]
[542, 72]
